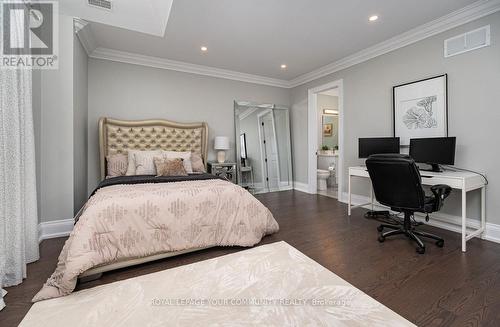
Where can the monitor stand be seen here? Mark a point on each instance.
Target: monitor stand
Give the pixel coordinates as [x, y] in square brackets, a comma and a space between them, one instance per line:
[435, 168]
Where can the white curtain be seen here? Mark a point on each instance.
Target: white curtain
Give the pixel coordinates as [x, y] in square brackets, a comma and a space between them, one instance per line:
[18, 205]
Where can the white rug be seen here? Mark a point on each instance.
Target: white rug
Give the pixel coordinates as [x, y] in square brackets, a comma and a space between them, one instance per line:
[270, 285]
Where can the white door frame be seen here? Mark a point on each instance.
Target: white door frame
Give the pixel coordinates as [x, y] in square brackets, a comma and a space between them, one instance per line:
[312, 135]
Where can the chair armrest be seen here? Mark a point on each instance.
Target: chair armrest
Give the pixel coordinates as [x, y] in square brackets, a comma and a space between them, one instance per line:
[441, 192]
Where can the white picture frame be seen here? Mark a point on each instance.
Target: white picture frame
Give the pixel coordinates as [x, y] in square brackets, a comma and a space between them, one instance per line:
[420, 109]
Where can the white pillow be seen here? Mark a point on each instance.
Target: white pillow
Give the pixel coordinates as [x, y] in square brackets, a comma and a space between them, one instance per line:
[144, 162]
[131, 170]
[185, 155]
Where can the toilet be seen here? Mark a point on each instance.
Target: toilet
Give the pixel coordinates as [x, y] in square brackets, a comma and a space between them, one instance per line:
[323, 176]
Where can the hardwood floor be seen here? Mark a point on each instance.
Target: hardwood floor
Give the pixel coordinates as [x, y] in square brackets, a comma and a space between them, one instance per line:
[443, 287]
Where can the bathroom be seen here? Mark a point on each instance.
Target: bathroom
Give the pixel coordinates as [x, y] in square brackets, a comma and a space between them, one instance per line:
[328, 143]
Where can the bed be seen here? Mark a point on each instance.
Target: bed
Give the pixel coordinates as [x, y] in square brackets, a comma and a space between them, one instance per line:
[131, 220]
[118, 136]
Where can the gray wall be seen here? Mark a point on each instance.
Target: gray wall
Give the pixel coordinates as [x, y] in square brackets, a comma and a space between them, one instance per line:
[60, 121]
[80, 123]
[474, 86]
[136, 92]
[56, 131]
[36, 100]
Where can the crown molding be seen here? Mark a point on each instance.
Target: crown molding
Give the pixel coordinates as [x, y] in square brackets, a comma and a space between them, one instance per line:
[84, 32]
[462, 16]
[137, 59]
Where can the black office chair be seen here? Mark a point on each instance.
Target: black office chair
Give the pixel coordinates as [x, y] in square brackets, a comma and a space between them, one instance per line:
[397, 184]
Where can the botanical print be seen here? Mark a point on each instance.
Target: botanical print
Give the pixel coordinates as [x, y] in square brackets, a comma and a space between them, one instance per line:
[420, 109]
[420, 114]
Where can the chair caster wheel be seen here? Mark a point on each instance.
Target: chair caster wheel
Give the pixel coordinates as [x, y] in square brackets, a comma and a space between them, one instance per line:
[380, 228]
[440, 243]
[381, 239]
[420, 250]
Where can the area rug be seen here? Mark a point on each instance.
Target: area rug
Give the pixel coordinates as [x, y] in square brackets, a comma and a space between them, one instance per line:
[269, 285]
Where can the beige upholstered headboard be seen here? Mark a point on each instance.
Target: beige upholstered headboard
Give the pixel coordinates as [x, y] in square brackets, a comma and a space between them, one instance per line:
[118, 136]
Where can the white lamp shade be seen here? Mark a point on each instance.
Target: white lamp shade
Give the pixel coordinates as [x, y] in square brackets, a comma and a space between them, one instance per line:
[221, 143]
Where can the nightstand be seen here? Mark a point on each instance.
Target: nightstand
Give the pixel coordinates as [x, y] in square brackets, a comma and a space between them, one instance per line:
[225, 170]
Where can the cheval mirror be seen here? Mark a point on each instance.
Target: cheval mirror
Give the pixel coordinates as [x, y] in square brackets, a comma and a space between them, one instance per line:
[263, 147]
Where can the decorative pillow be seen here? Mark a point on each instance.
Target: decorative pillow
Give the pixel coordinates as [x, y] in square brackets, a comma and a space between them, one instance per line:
[185, 155]
[116, 165]
[170, 167]
[197, 163]
[131, 162]
[144, 162]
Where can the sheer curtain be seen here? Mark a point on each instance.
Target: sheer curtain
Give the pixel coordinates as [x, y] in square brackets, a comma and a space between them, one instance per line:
[18, 207]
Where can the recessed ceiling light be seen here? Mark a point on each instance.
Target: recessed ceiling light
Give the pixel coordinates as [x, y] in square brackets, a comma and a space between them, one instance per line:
[204, 49]
[283, 66]
[373, 18]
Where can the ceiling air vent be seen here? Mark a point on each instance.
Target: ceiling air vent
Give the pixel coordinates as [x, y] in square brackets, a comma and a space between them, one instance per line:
[103, 4]
[467, 42]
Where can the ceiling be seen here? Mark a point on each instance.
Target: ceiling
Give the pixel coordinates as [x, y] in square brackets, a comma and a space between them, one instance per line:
[257, 36]
[145, 16]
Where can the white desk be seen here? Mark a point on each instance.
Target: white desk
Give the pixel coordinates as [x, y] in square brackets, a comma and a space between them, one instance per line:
[463, 181]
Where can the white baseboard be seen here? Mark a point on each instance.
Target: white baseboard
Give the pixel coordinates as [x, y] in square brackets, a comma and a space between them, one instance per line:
[302, 187]
[55, 228]
[441, 220]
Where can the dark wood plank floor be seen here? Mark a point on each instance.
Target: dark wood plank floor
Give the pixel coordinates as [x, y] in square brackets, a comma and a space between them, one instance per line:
[443, 287]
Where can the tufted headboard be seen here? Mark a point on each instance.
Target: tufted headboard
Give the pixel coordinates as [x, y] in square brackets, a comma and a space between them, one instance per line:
[118, 136]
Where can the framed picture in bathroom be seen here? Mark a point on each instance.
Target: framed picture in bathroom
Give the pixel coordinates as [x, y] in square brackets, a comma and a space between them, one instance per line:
[327, 129]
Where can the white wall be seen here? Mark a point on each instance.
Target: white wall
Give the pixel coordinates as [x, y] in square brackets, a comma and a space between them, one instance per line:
[128, 91]
[474, 86]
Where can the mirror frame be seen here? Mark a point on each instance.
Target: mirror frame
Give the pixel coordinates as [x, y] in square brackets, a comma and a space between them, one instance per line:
[273, 107]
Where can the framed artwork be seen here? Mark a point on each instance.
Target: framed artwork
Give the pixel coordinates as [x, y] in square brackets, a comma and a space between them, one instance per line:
[327, 129]
[420, 109]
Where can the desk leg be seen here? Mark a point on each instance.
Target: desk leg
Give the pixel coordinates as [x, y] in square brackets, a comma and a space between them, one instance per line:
[483, 211]
[464, 219]
[349, 196]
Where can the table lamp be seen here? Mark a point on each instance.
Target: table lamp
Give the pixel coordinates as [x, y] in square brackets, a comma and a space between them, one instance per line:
[221, 143]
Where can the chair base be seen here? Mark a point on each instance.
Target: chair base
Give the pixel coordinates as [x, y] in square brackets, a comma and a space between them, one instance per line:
[410, 232]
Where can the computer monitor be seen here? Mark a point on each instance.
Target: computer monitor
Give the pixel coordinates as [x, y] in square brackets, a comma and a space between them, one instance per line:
[434, 151]
[377, 145]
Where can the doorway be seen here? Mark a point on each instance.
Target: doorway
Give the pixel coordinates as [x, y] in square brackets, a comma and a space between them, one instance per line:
[326, 121]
